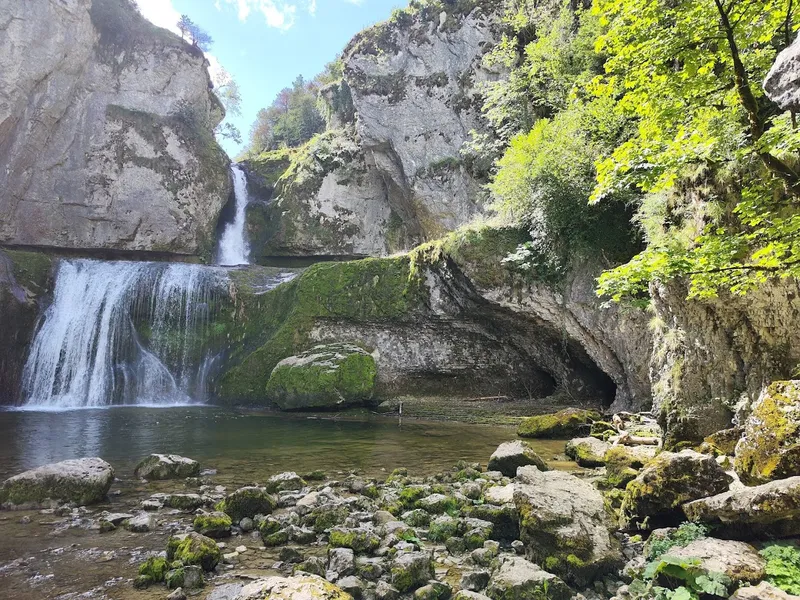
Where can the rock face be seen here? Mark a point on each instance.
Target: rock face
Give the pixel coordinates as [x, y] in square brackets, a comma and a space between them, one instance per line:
[167, 466]
[105, 132]
[770, 446]
[325, 377]
[82, 480]
[782, 83]
[564, 525]
[389, 172]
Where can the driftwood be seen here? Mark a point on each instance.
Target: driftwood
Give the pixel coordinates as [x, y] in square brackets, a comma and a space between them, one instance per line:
[626, 439]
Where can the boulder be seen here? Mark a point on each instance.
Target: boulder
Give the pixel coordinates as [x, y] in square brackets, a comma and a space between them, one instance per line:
[563, 424]
[360, 540]
[81, 480]
[141, 523]
[303, 586]
[469, 595]
[655, 497]
[782, 83]
[771, 509]
[342, 561]
[288, 481]
[194, 549]
[739, 561]
[762, 591]
[770, 446]
[166, 466]
[587, 451]
[326, 377]
[215, 525]
[187, 502]
[623, 463]
[511, 455]
[564, 525]
[411, 570]
[723, 442]
[499, 494]
[519, 579]
[248, 502]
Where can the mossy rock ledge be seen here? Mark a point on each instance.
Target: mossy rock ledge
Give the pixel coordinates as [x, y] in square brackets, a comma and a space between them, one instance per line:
[325, 377]
[82, 481]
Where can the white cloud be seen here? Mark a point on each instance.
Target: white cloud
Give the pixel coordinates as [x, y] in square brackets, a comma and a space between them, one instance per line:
[277, 13]
[160, 12]
[356, 2]
[312, 8]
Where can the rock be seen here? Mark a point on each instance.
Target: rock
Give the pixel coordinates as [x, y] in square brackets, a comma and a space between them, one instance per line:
[302, 586]
[623, 463]
[564, 525]
[518, 579]
[670, 480]
[288, 555]
[739, 561]
[216, 525]
[359, 540]
[152, 505]
[724, 442]
[434, 590]
[468, 595]
[770, 446]
[587, 451]
[782, 83]
[249, 502]
[82, 481]
[762, 591]
[325, 377]
[442, 528]
[313, 565]
[342, 561]
[416, 517]
[384, 591]
[499, 494]
[247, 525]
[194, 549]
[141, 523]
[185, 502]
[411, 570]
[116, 518]
[166, 466]
[177, 594]
[288, 481]
[352, 585]
[771, 509]
[475, 581]
[107, 131]
[511, 455]
[437, 503]
[563, 424]
[505, 519]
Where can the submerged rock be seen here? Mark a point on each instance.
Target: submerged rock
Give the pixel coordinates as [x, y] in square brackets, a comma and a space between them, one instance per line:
[655, 497]
[325, 377]
[166, 466]
[564, 525]
[563, 424]
[519, 579]
[770, 446]
[82, 481]
[511, 455]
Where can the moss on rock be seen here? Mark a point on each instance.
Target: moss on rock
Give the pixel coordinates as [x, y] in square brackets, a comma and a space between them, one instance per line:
[565, 423]
[194, 549]
[248, 502]
[214, 525]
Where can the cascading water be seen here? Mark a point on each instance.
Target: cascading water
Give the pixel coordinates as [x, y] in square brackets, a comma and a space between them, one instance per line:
[233, 248]
[125, 333]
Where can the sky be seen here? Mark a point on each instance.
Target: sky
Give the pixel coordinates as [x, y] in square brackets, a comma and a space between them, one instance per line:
[266, 44]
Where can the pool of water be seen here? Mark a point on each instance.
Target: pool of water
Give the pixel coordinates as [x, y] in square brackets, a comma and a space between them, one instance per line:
[246, 447]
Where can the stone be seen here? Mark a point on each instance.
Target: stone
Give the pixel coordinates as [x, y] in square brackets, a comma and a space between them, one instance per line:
[587, 451]
[411, 570]
[352, 585]
[342, 561]
[82, 481]
[563, 424]
[247, 525]
[360, 540]
[511, 455]
[771, 509]
[248, 502]
[782, 83]
[384, 591]
[437, 503]
[468, 595]
[762, 591]
[416, 517]
[724, 442]
[177, 594]
[326, 377]
[739, 561]
[519, 579]
[141, 523]
[166, 466]
[288, 481]
[770, 446]
[194, 549]
[655, 497]
[185, 502]
[475, 581]
[472, 490]
[442, 528]
[565, 526]
[435, 590]
[313, 564]
[216, 525]
[289, 555]
[116, 518]
[623, 463]
[302, 586]
[499, 494]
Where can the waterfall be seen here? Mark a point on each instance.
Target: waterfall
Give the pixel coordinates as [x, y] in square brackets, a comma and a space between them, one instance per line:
[125, 333]
[233, 249]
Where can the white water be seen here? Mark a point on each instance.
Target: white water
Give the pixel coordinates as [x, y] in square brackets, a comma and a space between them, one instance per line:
[233, 247]
[124, 333]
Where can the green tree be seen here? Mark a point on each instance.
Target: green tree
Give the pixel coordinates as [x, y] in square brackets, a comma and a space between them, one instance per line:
[184, 25]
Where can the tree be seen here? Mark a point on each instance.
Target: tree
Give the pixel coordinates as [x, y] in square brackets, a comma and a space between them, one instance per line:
[185, 25]
[200, 37]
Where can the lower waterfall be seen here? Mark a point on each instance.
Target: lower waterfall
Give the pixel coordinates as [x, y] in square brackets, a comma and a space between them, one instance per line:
[125, 333]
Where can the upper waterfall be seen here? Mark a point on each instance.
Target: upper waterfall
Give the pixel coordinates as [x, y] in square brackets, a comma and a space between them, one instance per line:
[125, 333]
[233, 248]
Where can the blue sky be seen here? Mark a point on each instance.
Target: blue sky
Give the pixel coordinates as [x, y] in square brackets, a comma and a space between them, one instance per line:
[265, 44]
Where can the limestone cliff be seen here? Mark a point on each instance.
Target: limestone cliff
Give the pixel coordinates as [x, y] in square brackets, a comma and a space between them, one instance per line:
[389, 173]
[105, 132]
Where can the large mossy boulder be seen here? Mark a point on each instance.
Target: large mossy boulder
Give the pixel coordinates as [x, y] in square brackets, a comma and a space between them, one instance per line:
[81, 480]
[655, 497]
[565, 525]
[302, 586]
[194, 549]
[248, 502]
[519, 579]
[587, 451]
[770, 446]
[563, 424]
[166, 466]
[214, 524]
[326, 377]
[509, 456]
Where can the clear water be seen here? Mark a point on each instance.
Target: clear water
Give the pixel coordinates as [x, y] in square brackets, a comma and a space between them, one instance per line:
[233, 247]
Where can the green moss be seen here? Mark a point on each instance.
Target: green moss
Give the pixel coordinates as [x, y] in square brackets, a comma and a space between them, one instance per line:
[174, 578]
[443, 528]
[410, 495]
[216, 524]
[324, 517]
[270, 166]
[194, 549]
[622, 466]
[564, 423]
[32, 270]
[249, 502]
[359, 540]
[155, 568]
[279, 538]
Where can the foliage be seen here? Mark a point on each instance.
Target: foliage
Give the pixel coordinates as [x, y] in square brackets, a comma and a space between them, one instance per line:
[682, 536]
[674, 578]
[783, 566]
[227, 90]
[198, 36]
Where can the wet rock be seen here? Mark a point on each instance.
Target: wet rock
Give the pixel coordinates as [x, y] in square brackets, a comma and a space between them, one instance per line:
[115, 518]
[468, 595]
[770, 446]
[411, 570]
[511, 455]
[563, 424]
[670, 480]
[194, 549]
[166, 466]
[282, 482]
[771, 509]
[762, 591]
[248, 502]
[216, 525]
[739, 561]
[151, 505]
[565, 526]
[141, 523]
[82, 481]
[298, 587]
[519, 579]
[185, 502]
[342, 561]
[587, 451]
[290, 555]
[313, 565]
[475, 581]
[247, 524]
